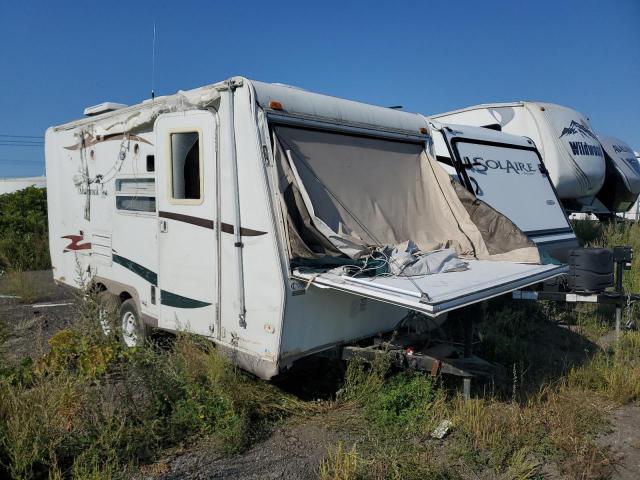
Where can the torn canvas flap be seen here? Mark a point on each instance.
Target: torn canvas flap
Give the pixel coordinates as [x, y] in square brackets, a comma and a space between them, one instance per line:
[412, 262]
[360, 192]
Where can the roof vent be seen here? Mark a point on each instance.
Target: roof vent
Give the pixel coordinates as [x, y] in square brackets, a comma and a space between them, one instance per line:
[103, 108]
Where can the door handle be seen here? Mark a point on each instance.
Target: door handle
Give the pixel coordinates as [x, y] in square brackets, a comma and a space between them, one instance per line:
[163, 226]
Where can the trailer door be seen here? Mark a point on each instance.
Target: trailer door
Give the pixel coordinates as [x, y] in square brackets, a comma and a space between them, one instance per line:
[513, 180]
[187, 204]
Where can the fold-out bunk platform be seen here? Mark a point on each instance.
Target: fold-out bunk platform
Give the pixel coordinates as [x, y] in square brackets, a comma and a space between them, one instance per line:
[438, 293]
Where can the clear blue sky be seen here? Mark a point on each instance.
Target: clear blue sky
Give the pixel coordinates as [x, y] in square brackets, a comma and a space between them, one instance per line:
[58, 57]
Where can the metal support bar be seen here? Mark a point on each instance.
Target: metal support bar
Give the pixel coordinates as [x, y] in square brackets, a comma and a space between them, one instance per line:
[231, 86]
[466, 388]
[611, 298]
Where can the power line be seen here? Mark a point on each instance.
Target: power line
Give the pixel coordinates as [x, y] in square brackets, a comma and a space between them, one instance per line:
[20, 136]
[18, 162]
[21, 144]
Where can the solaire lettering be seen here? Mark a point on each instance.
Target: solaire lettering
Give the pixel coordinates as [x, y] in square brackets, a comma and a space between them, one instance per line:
[583, 148]
[481, 165]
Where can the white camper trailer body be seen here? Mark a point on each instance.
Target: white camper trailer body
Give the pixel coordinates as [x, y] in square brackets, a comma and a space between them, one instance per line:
[570, 150]
[506, 172]
[174, 204]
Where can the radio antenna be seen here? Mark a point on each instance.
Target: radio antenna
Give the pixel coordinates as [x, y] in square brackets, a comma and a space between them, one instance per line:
[153, 62]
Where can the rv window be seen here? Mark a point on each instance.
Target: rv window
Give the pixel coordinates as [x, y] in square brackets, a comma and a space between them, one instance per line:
[151, 163]
[136, 204]
[136, 186]
[185, 165]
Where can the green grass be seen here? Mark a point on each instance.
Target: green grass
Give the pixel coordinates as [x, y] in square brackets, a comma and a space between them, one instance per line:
[93, 409]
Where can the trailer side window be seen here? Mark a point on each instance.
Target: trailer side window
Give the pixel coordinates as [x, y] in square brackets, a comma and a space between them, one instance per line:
[185, 166]
[136, 194]
[136, 204]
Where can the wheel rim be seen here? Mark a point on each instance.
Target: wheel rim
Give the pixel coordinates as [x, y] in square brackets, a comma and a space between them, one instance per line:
[129, 329]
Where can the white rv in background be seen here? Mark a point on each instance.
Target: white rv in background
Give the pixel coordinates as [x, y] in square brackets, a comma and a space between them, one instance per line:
[507, 172]
[622, 180]
[577, 163]
[634, 212]
[223, 211]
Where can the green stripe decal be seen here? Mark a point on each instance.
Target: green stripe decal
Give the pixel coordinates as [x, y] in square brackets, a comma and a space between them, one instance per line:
[174, 300]
[166, 298]
[136, 268]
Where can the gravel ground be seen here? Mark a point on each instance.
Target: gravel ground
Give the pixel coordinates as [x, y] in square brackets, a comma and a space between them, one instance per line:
[624, 442]
[292, 451]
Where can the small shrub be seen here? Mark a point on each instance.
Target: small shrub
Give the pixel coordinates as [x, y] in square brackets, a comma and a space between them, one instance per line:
[403, 401]
[24, 230]
[342, 464]
[36, 422]
[362, 380]
[587, 231]
[73, 352]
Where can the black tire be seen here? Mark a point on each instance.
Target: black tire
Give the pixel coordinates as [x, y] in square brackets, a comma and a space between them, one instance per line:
[132, 330]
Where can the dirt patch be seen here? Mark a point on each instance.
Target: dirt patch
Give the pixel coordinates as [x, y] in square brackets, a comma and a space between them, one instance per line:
[31, 324]
[294, 450]
[624, 442]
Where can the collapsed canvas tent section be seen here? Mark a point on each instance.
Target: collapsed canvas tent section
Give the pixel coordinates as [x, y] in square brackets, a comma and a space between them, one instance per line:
[346, 195]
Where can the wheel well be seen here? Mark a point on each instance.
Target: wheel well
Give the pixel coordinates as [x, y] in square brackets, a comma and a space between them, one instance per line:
[124, 296]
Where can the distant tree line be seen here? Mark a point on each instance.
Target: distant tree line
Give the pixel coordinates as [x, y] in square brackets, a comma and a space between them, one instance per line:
[24, 241]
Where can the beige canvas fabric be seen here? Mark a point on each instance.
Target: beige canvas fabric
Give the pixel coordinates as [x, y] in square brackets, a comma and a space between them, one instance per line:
[359, 192]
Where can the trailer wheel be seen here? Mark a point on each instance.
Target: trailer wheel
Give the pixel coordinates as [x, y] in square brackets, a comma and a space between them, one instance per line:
[132, 329]
[108, 312]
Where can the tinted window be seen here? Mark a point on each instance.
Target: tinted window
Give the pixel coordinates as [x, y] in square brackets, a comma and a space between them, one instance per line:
[185, 165]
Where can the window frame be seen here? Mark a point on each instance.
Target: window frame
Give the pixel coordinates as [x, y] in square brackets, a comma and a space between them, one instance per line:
[118, 192]
[169, 148]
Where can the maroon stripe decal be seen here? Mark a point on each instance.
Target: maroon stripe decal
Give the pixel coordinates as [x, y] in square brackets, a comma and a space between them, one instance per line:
[245, 232]
[75, 243]
[200, 222]
[205, 223]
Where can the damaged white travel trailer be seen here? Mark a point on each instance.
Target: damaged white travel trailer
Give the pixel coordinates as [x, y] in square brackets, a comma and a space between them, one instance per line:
[224, 211]
[507, 172]
[581, 170]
